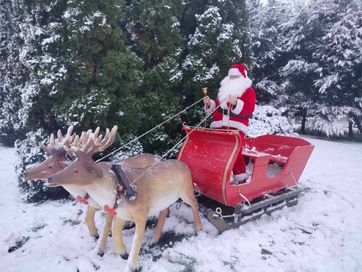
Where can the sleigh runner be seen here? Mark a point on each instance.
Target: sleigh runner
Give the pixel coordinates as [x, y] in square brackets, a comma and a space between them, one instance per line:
[211, 155]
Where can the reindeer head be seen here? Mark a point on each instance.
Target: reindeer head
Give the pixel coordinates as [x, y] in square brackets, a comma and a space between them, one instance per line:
[84, 170]
[57, 157]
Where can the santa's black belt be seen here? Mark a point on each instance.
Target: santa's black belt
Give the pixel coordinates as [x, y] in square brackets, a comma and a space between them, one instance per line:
[227, 112]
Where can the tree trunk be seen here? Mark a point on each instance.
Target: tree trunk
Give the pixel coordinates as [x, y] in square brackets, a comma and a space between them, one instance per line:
[304, 119]
[358, 123]
[350, 128]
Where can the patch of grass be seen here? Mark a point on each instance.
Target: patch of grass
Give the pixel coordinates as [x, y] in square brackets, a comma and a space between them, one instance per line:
[38, 227]
[18, 243]
[167, 240]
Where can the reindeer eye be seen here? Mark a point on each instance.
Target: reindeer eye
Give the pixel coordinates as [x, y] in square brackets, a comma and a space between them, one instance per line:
[50, 167]
[76, 171]
[70, 157]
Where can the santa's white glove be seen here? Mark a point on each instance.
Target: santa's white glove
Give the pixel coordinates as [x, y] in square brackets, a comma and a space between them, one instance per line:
[232, 100]
[207, 101]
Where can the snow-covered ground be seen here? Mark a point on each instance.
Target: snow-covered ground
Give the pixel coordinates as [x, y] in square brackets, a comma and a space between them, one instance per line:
[322, 233]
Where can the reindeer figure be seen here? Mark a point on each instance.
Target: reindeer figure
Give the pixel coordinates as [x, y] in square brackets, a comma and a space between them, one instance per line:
[58, 159]
[158, 187]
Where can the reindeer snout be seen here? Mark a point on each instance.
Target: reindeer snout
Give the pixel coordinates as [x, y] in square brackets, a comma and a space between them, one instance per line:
[50, 180]
[29, 176]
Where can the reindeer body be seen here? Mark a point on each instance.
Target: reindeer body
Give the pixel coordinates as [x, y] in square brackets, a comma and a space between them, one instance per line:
[58, 160]
[158, 187]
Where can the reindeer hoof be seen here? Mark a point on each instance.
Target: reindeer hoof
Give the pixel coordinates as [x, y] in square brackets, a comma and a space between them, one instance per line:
[124, 256]
[96, 237]
[129, 269]
[100, 253]
[128, 225]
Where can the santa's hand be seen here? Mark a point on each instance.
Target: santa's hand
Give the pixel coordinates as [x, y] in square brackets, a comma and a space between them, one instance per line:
[232, 100]
[207, 101]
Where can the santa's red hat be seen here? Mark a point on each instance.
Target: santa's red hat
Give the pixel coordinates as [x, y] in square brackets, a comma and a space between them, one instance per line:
[238, 70]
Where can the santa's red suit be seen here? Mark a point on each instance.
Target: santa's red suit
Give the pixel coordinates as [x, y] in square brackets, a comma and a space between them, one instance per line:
[234, 116]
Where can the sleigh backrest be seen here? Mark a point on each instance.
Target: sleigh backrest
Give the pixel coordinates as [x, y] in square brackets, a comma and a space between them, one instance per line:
[210, 155]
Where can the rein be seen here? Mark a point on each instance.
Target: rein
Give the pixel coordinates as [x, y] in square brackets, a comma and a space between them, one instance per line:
[119, 189]
[149, 131]
[172, 148]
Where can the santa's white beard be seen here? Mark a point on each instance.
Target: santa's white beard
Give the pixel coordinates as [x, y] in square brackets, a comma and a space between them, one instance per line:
[233, 87]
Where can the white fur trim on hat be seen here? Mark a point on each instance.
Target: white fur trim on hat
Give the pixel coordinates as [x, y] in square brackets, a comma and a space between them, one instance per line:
[234, 72]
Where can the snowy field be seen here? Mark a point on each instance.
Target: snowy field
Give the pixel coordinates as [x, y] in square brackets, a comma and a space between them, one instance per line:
[322, 233]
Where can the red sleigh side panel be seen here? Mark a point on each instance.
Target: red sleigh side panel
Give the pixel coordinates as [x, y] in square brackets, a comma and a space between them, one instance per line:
[211, 155]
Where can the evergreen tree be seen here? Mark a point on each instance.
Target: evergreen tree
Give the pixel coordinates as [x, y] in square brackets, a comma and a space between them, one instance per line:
[13, 74]
[307, 61]
[95, 63]
[220, 39]
[267, 33]
[152, 29]
[215, 36]
[80, 72]
[340, 56]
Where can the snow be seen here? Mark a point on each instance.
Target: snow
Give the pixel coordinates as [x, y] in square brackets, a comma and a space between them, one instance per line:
[322, 233]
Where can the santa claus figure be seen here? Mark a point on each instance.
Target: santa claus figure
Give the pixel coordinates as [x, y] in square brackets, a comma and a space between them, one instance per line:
[234, 106]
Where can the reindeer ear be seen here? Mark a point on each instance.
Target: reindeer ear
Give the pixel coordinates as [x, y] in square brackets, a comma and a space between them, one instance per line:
[45, 149]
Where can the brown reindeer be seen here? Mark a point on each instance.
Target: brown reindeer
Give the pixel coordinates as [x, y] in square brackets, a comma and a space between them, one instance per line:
[58, 159]
[158, 187]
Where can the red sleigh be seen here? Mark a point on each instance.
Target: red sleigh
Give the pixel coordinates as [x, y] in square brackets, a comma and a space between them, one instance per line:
[211, 155]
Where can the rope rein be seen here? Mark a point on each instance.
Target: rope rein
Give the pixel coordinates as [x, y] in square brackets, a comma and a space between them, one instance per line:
[172, 148]
[152, 129]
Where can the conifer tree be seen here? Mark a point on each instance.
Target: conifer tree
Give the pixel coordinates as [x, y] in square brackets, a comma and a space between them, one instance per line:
[266, 31]
[80, 73]
[219, 39]
[340, 55]
[152, 29]
[103, 63]
[13, 74]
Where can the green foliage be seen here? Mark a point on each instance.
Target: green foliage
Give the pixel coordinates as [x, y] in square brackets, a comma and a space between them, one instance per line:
[104, 63]
[308, 61]
[219, 39]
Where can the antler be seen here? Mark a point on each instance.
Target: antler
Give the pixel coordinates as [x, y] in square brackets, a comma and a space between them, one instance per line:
[90, 143]
[57, 144]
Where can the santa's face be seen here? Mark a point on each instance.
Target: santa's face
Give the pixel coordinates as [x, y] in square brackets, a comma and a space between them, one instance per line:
[234, 77]
[233, 86]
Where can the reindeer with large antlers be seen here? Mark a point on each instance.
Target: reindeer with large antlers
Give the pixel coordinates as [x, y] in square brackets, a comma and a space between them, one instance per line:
[58, 159]
[158, 187]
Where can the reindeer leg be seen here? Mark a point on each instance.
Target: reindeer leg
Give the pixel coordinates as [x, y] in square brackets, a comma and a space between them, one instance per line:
[159, 226]
[117, 237]
[89, 220]
[190, 199]
[104, 238]
[136, 243]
